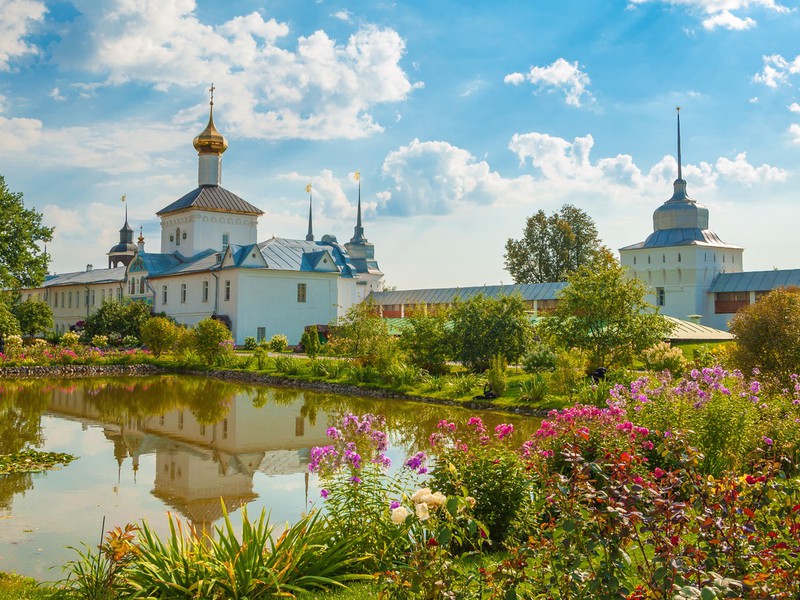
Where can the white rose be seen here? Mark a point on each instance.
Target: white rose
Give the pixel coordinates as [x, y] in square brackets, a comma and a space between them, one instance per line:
[417, 497]
[399, 515]
[422, 511]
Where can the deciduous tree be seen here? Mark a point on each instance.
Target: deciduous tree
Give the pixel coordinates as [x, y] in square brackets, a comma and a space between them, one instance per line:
[768, 335]
[552, 247]
[603, 311]
[22, 263]
[34, 316]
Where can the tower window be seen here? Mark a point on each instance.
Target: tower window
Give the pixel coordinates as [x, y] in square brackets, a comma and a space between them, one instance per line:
[660, 296]
[183, 293]
[301, 292]
[163, 294]
[225, 240]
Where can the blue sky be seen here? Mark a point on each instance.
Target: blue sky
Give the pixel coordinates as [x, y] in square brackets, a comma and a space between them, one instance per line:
[463, 119]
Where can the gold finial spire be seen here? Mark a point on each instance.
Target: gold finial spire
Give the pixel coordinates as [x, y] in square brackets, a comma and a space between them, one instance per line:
[210, 141]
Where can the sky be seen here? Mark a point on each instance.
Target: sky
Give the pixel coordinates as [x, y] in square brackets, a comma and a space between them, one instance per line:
[463, 118]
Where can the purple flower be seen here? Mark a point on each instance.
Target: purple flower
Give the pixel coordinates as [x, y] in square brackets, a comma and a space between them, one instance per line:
[417, 463]
[324, 494]
[355, 479]
[767, 441]
[333, 433]
[393, 504]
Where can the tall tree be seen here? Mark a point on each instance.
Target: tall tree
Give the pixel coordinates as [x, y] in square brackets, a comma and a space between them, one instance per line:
[603, 311]
[22, 263]
[552, 247]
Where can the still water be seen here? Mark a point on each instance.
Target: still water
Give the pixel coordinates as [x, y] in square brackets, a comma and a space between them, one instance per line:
[177, 444]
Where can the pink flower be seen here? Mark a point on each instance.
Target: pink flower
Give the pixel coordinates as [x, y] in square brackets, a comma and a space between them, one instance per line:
[658, 473]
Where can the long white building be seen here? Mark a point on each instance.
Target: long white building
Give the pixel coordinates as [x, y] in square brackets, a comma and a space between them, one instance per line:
[211, 264]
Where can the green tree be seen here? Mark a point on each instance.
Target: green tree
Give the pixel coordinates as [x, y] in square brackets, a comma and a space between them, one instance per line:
[485, 327]
[34, 316]
[212, 341]
[603, 312]
[425, 337]
[22, 264]
[8, 322]
[552, 247]
[363, 335]
[310, 341]
[768, 335]
[159, 334]
[117, 319]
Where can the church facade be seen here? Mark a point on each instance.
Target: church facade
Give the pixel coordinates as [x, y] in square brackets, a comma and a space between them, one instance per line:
[211, 264]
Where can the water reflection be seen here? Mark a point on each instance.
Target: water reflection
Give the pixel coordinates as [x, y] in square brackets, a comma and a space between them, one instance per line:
[183, 444]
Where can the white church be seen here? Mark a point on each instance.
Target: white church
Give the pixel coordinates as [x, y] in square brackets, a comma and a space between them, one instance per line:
[211, 264]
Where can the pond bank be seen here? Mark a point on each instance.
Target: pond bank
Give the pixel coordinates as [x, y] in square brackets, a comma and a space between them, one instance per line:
[76, 371]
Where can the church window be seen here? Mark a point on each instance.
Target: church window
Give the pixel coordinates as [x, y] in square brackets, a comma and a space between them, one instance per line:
[132, 286]
[648, 259]
[163, 294]
[178, 236]
[69, 299]
[56, 300]
[301, 292]
[634, 260]
[141, 285]
[660, 296]
[102, 296]
[183, 293]
[205, 291]
[62, 300]
[723, 258]
[663, 258]
[86, 298]
[93, 297]
[733, 258]
[119, 294]
[679, 257]
[225, 240]
[77, 299]
[227, 289]
[225, 429]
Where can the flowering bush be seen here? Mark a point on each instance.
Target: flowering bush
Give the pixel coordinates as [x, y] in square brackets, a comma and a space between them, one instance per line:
[485, 465]
[278, 342]
[69, 339]
[664, 357]
[100, 341]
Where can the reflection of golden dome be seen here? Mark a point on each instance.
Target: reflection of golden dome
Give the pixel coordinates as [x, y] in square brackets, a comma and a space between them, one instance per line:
[210, 141]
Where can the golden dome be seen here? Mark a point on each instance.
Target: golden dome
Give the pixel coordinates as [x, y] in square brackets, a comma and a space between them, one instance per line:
[210, 141]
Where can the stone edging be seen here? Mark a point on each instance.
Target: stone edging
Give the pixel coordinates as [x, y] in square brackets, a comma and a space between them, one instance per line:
[38, 371]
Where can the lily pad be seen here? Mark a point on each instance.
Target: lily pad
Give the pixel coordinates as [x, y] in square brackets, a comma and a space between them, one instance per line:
[33, 461]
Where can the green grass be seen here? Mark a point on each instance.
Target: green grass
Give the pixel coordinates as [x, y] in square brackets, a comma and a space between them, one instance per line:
[16, 587]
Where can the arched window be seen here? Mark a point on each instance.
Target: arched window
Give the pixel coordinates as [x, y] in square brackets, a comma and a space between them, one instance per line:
[141, 285]
[178, 236]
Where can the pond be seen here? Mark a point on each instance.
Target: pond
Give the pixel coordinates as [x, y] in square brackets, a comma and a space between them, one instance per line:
[184, 445]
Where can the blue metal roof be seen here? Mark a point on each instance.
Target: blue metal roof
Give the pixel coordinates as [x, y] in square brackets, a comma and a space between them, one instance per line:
[528, 291]
[681, 237]
[115, 275]
[214, 198]
[283, 254]
[755, 281]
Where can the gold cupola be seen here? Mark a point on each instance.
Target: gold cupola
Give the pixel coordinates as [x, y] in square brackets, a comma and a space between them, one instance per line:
[210, 141]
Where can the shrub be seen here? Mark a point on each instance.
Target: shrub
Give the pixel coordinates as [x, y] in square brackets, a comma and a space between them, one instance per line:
[487, 467]
[117, 319]
[278, 343]
[425, 338]
[569, 373]
[496, 375]
[533, 389]
[159, 334]
[318, 367]
[539, 358]
[261, 355]
[364, 336]
[34, 316]
[463, 384]
[212, 341]
[250, 343]
[310, 341]
[663, 357]
[768, 335]
[69, 339]
[402, 375]
[130, 341]
[483, 327]
[433, 383]
[100, 341]
[286, 365]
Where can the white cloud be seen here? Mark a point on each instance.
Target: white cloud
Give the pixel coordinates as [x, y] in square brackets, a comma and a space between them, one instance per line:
[794, 107]
[107, 147]
[17, 20]
[322, 89]
[55, 94]
[343, 15]
[334, 197]
[741, 171]
[776, 70]
[437, 178]
[559, 75]
[794, 132]
[720, 13]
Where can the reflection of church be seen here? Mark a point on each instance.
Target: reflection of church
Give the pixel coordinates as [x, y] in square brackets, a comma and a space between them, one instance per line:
[199, 466]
